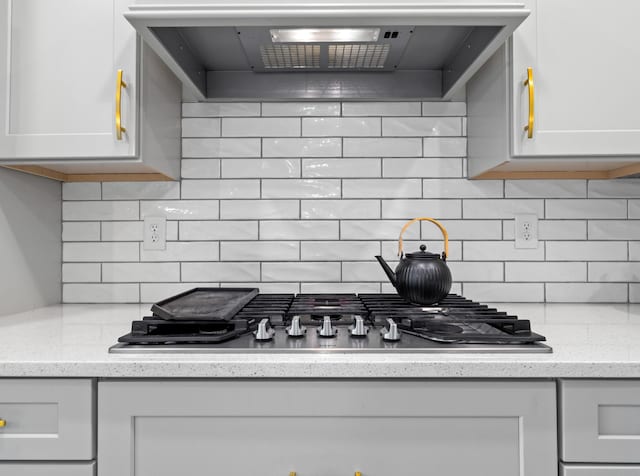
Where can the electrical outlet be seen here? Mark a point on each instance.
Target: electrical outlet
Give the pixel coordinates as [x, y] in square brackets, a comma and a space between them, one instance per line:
[155, 233]
[526, 230]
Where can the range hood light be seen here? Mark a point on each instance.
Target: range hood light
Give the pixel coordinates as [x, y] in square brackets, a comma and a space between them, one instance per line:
[324, 35]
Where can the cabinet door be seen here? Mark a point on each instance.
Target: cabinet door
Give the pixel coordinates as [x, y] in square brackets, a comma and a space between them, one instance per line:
[584, 55]
[320, 428]
[58, 72]
[47, 469]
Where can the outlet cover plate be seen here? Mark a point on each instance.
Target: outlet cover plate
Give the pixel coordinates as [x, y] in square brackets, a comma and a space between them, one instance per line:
[526, 232]
[155, 233]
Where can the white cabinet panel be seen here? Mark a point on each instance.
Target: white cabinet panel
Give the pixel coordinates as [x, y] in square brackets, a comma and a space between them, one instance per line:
[316, 428]
[599, 470]
[58, 79]
[47, 469]
[584, 58]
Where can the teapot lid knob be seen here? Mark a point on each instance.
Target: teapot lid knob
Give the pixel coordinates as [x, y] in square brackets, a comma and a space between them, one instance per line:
[423, 247]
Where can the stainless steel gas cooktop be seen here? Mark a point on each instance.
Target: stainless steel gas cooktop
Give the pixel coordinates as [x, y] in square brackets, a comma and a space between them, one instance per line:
[219, 320]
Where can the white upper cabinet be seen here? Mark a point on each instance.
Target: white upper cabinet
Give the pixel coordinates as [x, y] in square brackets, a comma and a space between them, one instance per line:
[60, 98]
[59, 90]
[581, 105]
[585, 58]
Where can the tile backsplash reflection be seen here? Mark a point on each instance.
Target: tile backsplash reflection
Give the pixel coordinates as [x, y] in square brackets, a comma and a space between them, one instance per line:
[299, 197]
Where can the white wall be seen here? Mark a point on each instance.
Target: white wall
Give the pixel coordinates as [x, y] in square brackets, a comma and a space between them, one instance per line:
[30, 241]
[299, 197]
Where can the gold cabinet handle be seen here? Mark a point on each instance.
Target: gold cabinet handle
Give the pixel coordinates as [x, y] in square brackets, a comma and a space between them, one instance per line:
[3, 423]
[529, 83]
[119, 85]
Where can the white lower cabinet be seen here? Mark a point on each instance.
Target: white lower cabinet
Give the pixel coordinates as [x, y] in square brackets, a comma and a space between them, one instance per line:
[47, 469]
[327, 428]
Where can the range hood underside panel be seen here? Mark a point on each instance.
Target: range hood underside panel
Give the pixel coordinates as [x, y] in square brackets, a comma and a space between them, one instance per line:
[219, 58]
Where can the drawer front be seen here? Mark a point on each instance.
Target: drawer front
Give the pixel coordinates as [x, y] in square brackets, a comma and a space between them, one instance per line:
[46, 419]
[47, 469]
[600, 421]
[319, 428]
[599, 470]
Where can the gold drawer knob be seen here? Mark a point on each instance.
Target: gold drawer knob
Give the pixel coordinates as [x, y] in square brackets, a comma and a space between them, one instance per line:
[3, 423]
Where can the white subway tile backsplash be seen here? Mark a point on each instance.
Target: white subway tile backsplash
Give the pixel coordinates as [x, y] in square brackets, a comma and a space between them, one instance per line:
[222, 188]
[409, 209]
[299, 230]
[306, 271]
[100, 293]
[328, 209]
[552, 230]
[614, 229]
[140, 272]
[100, 252]
[81, 273]
[261, 127]
[586, 250]
[106, 210]
[546, 272]
[220, 109]
[341, 126]
[422, 167]
[81, 191]
[300, 109]
[382, 147]
[339, 251]
[341, 168]
[421, 126]
[140, 190]
[463, 271]
[81, 231]
[364, 271]
[570, 209]
[461, 188]
[444, 108]
[305, 147]
[545, 189]
[499, 251]
[260, 168]
[507, 209]
[200, 168]
[586, 292]
[218, 230]
[259, 209]
[381, 109]
[181, 209]
[445, 146]
[619, 188]
[213, 148]
[183, 251]
[301, 188]
[200, 127]
[376, 230]
[627, 272]
[260, 251]
[300, 197]
[504, 292]
[381, 188]
[230, 272]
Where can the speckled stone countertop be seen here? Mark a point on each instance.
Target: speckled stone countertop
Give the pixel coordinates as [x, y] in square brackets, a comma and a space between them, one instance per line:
[588, 340]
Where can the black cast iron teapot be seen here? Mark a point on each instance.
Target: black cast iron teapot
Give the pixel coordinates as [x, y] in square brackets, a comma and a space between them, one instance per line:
[421, 277]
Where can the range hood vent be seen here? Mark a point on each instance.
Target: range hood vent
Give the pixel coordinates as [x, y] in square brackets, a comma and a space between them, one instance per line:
[357, 51]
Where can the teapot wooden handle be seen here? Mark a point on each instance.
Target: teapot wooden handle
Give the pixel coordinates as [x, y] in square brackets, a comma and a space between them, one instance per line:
[435, 222]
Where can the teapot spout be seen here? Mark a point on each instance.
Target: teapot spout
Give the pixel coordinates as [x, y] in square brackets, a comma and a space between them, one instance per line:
[390, 274]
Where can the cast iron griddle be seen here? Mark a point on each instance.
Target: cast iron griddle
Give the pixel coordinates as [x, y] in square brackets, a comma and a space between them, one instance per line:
[211, 304]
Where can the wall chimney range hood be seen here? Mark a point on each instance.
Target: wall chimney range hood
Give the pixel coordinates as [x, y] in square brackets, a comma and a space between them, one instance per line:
[349, 51]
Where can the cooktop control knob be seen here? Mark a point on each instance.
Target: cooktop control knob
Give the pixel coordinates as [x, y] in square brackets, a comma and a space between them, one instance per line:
[327, 329]
[265, 331]
[359, 329]
[295, 329]
[391, 333]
